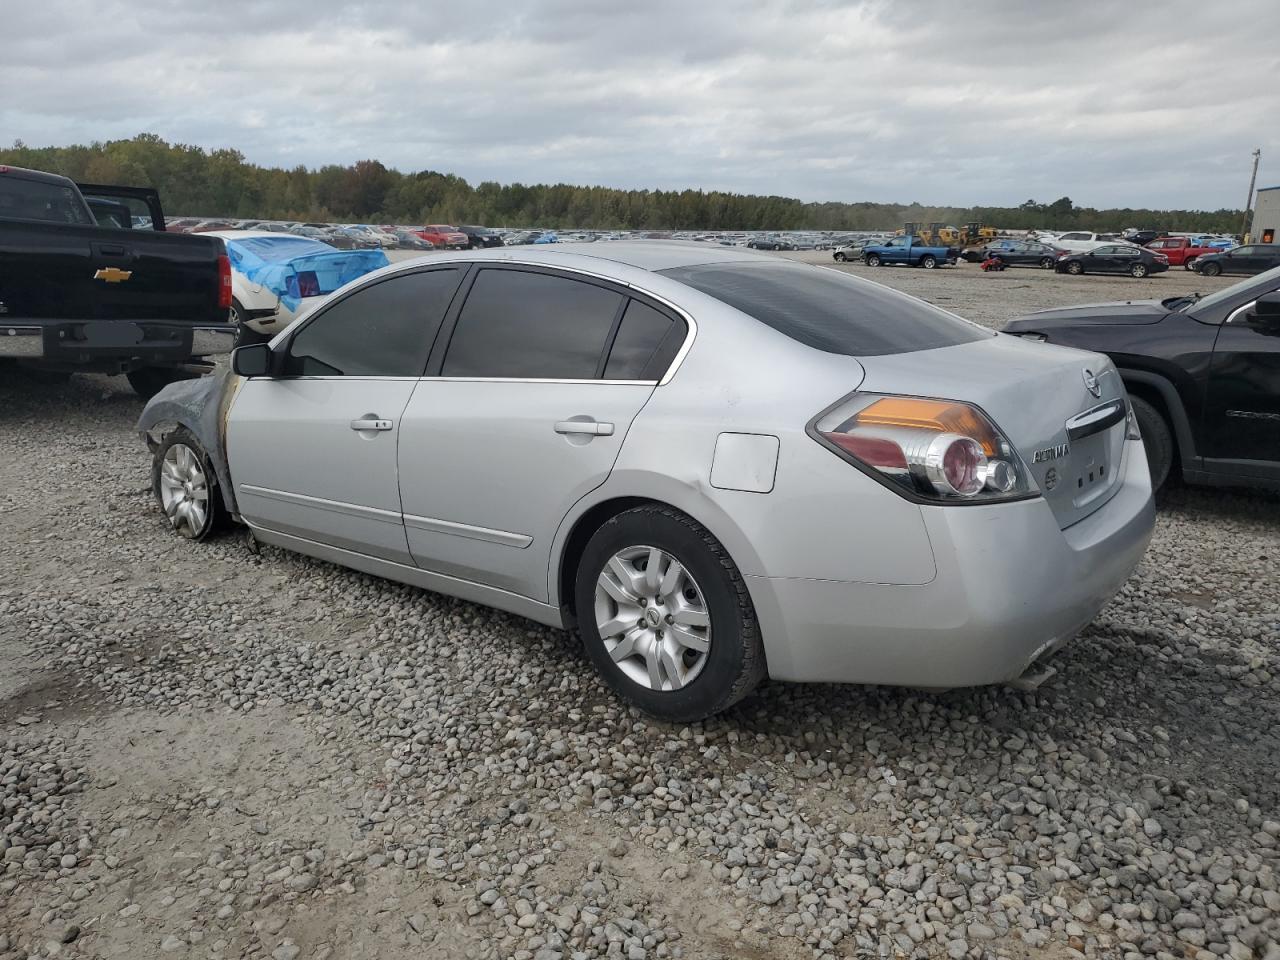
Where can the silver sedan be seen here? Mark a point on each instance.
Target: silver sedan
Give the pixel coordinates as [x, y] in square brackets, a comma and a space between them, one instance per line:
[716, 465]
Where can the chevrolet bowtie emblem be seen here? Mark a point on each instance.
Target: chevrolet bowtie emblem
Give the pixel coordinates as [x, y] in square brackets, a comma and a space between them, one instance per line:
[112, 274]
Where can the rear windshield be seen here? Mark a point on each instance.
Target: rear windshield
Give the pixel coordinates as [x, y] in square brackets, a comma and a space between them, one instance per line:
[37, 200]
[828, 310]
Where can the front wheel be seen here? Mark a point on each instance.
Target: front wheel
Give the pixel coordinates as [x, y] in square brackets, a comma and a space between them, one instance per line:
[873, 260]
[1189, 264]
[1075, 268]
[1211, 270]
[841, 257]
[665, 615]
[1138, 271]
[186, 487]
[928, 262]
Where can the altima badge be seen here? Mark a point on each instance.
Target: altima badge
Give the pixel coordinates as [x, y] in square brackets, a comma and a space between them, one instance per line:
[1091, 383]
[1058, 452]
[112, 274]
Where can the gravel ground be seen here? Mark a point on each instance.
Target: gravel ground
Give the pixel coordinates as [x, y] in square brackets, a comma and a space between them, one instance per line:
[209, 752]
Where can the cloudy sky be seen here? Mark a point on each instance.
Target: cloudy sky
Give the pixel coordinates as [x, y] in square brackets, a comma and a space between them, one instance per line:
[888, 101]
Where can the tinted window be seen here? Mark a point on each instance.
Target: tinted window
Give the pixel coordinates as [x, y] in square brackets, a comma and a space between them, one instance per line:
[646, 344]
[37, 200]
[385, 330]
[531, 326]
[828, 310]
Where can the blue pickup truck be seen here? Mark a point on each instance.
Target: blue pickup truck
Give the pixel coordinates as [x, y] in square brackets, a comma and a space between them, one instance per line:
[908, 250]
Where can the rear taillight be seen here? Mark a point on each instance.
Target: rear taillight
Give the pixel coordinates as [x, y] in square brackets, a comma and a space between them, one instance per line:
[940, 450]
[224, 282]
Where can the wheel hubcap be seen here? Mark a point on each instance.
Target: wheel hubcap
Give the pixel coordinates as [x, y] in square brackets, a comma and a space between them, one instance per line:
[184, 490]
[652, 618]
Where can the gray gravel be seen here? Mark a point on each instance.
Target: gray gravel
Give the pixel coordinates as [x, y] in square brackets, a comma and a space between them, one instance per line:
[209, 752]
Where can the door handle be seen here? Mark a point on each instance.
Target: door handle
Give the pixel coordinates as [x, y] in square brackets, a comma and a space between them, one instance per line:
[371, 423]
[592, 428]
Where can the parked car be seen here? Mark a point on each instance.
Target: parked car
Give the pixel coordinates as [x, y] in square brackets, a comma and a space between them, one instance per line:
[1248, 260]
[1143, 237]
[522, 238]
[337, 239]
[444, 236]
[1015, 253]
[1203, 375]
[849, 250]
[1180, 251]
[910, 251]
[479, 237]
[698, 546]
[1082, 242]
[80, 297]
[181, 224]
[547, 236]
[411, 241]
[1137, 262]
[770, 243]
[205, 226]
[276, 277]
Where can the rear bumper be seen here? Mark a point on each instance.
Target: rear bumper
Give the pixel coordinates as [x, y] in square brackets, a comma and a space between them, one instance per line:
[1010, 587]
[114, 344]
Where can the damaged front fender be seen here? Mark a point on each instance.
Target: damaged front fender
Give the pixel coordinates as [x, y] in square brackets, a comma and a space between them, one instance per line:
[201, 405]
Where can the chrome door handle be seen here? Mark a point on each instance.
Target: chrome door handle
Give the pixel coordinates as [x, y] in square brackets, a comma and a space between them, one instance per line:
[592, 428]
[371, 423]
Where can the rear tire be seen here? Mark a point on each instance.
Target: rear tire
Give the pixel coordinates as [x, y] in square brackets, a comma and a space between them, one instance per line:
[928, 262]
[873, 260]
[1211, 270]
[1138, 271]
[724, 664]
[1046, 263]
[1157, 438]
[1189, 264]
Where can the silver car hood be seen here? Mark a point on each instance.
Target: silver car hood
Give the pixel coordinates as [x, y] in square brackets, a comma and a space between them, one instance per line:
[1030, 390]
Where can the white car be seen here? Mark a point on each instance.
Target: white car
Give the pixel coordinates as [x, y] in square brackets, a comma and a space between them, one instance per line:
[1083, 242]
[276, 277]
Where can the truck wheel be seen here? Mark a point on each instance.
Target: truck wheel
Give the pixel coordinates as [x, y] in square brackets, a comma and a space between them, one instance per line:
[186, 486]
[873, 260]
[1157, 438]
[928, 262]
[148, 381]
[1138, 271]
[665, 615]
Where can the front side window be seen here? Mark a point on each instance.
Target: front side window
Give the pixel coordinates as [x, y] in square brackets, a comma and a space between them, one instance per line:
[828, 310]
[383, 330]
[522, 325]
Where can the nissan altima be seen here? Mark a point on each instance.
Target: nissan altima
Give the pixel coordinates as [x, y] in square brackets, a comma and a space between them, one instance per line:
[715, 465]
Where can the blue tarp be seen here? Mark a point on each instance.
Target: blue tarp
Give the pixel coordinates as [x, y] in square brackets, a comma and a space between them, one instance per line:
[295, 267]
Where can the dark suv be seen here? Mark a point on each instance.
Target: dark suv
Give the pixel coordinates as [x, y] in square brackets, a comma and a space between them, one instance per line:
[1203, 375]
[481, 237]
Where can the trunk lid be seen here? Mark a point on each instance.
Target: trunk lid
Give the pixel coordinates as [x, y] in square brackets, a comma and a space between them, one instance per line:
[1038, 394]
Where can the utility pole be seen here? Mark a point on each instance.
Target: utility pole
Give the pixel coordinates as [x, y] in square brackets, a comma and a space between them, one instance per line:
[1248, 203]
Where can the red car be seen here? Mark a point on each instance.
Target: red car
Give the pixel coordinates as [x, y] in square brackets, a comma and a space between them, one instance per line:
[443, 236]
[1179, 251]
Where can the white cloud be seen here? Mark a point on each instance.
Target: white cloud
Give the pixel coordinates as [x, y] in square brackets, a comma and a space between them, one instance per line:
[933, 101]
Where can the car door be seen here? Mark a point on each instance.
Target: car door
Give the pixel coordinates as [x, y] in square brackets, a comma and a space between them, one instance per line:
[895, 251]
[530, 401]
[1241, 432]
[1241, 260]
[313, 447]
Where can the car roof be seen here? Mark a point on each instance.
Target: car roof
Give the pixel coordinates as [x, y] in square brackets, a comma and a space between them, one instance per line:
[651, 255]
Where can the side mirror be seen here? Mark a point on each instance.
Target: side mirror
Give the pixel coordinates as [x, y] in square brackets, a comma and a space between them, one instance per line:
[1267, 309]
[252, 360]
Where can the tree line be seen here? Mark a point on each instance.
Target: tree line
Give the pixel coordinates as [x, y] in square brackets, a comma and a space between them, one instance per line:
[221, 183]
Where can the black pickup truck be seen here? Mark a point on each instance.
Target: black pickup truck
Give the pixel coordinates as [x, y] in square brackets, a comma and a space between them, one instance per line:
[84, 289]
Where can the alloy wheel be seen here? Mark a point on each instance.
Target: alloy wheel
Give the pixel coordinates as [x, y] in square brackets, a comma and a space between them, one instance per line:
[652, 618]
[184, 490]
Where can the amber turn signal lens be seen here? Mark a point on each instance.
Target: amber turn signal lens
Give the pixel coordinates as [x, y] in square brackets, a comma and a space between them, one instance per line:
[941, 416]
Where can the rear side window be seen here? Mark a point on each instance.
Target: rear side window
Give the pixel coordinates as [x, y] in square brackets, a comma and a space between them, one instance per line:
[383, 330]
[828, 310]
[646, 343]
[22, 199]
[531, 326]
